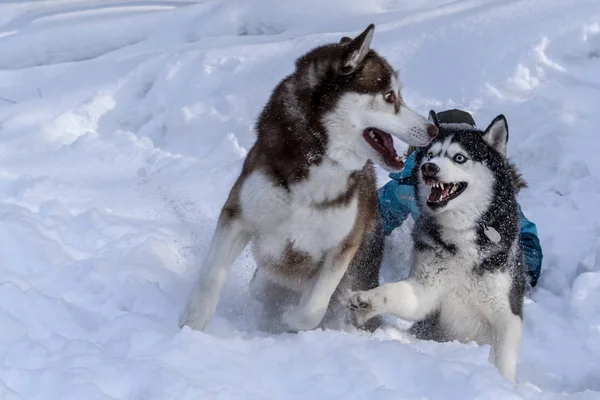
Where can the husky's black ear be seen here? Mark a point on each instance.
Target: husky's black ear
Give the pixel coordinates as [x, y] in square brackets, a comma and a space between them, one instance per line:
[356, 50]
[496, 135]
[433, 118]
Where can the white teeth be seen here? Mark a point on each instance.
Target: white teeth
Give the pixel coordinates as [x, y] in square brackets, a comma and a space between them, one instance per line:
[371, 134]
[441, 197]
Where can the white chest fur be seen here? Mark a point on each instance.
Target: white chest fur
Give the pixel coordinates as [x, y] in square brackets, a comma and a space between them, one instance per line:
[467, 300]
[280, 217]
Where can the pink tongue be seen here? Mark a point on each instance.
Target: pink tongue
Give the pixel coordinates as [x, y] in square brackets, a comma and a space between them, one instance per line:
[388, 143]
[435, 194]
[446, 191]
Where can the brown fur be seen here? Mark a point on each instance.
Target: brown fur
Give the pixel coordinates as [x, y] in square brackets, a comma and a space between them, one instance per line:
[517, 177]
[291, 138]
[361, 248]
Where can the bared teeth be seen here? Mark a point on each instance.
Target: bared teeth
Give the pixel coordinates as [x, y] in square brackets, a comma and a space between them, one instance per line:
[372, 134]
[447, 190]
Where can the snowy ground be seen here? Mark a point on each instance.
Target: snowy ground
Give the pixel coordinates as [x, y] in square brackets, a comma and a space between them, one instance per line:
[124, 123]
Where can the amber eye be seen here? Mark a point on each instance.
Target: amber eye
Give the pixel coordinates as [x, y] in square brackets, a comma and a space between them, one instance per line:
[390, 97]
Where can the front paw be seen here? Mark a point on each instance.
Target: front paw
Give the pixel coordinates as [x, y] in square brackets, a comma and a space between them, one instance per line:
[197, 313]
[193, 318]
[299, 320]
[365, 305]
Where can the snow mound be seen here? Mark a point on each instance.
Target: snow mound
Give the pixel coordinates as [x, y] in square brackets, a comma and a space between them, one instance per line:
[123, 124]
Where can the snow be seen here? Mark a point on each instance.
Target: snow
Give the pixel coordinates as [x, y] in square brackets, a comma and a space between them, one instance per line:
[123, 125]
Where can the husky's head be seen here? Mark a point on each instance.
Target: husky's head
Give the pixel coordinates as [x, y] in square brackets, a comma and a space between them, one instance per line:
[459, 169]
[357, 95]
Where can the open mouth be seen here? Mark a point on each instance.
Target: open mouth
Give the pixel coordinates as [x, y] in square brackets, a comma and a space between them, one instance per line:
[382, 143]
[442, 192]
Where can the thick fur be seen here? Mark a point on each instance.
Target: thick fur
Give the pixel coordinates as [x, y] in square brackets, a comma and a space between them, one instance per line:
[464, 284]
[306, 197]
[454, 117]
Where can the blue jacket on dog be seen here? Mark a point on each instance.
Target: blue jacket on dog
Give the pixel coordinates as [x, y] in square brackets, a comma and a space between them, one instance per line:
[397, 200]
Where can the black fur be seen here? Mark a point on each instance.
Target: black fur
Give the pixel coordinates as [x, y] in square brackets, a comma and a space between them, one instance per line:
[502, 215]
[428, 227]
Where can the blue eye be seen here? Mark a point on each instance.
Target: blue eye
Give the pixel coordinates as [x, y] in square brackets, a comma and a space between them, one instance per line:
[459, 158]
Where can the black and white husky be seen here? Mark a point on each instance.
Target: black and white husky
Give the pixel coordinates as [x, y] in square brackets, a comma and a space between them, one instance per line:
[306, 196]
[467, 278]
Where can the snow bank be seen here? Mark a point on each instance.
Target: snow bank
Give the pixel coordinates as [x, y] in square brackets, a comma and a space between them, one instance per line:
[124, 123]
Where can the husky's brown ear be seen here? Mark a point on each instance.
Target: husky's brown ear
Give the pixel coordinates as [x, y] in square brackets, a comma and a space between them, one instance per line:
[433, 118]
[496, 135]
[356, 50]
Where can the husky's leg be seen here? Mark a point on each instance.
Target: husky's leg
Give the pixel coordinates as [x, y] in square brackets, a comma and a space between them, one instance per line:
[274, 299]
[228, 241]
[506, 342]
[315, 300]
[407, 299]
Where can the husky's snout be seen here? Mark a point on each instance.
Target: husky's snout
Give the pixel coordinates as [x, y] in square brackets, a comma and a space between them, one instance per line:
[429, 170]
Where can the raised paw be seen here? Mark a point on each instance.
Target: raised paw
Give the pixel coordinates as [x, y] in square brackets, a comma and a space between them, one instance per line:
[365, 305]
[359, 301]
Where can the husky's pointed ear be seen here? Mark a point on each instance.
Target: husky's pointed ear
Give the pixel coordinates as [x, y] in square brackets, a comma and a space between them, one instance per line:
[496, 135]
[356, 50]
[433, 118]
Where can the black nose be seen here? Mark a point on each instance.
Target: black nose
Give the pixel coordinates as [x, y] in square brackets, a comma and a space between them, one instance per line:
[432, 131]
[429, 170]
